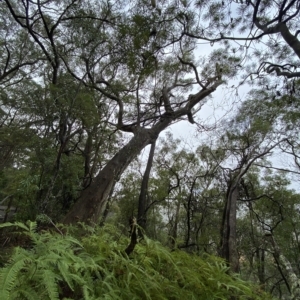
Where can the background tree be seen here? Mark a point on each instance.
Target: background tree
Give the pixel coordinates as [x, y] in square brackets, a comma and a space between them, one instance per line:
[248, 23]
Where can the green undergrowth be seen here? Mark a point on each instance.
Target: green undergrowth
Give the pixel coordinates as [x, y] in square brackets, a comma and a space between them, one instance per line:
[86, 263]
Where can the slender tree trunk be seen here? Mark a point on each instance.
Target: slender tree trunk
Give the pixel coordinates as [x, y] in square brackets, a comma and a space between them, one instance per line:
[228, 229]
[92, 201]
[142, 218]
[133, 236]
[233, 254]
[189, 214]
[174, 230]
[260, 256]
[292, 281]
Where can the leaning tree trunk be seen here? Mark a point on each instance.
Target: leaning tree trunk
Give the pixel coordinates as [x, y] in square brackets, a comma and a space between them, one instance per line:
[142, 219]
[92, 201]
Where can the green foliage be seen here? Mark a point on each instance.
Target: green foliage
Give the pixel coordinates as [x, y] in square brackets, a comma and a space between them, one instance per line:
[94, 266]
[69, 81]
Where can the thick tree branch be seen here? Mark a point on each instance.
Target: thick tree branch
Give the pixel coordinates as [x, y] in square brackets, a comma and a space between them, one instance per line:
[278, 169]
[16, 68]
[291, 39]
[254, 18]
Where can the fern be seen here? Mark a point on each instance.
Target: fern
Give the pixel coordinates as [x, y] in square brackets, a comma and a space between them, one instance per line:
[29, 293]
[49, 280]
[64, 271]
[94, 266]
[9, 274]
[16, 224]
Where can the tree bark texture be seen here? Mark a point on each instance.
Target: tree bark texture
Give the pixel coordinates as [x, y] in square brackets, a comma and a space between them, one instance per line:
[142, 208]
[133, 236]
[228, 229]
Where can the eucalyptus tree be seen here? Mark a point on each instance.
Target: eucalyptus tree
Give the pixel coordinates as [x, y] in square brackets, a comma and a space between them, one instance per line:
[264, 32]
[148, 80]
[181, 205]
[136, 57]
[247, 141]
[268, 232]
[282, 112]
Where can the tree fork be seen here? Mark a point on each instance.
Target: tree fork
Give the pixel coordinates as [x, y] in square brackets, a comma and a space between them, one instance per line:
[92, 200]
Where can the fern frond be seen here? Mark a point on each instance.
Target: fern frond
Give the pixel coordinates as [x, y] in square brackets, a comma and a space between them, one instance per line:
[4, 295]
[73, 241]
[9, 274]
[49, 280]
[32, 226]
[6, 224]
[62, 267]
[65, 273]
[16, 224]
[86, 292]
[24, 293]
[77, 279]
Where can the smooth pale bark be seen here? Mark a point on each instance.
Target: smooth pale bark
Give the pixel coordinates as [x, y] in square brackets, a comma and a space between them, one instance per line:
[293, 281]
